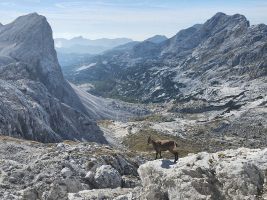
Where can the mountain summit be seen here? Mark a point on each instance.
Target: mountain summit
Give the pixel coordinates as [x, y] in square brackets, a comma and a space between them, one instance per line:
[157, 39]
[29, 40]
[36, 101]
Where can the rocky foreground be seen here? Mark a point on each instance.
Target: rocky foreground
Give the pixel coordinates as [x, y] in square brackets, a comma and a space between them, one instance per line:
[81, 171]
[31, 170]
[231, 174]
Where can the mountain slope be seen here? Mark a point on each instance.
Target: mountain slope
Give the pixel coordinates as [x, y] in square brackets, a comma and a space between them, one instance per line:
[101, 108]
[36, 102]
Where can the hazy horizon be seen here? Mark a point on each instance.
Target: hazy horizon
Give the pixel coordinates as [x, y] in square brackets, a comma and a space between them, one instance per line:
[136, 20]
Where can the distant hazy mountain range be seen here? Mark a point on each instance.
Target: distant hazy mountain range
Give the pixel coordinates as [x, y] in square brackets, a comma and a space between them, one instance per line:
[81, 45]
[79, 50]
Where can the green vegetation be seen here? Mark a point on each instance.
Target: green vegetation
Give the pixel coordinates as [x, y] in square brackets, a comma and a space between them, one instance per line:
[138, 143]
[104, 86]
[155, 118]
[108, 89]
[221, 155]
[104, 123]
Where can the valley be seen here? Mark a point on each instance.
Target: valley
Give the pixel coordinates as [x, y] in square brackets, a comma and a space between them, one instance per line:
[76, 127]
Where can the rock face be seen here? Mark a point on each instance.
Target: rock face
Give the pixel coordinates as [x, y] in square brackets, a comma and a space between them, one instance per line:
[36, 102]
[28, 40]
[230, 174]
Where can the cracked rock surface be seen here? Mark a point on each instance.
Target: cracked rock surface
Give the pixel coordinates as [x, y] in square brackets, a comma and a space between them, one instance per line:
[230, 174]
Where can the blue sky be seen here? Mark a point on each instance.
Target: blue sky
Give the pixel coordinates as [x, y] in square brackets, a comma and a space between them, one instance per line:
[136, 19]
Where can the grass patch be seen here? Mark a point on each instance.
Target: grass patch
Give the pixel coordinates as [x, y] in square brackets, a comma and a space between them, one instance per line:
[104, 123]
[155, 118]
[70, 142]
[138, 143]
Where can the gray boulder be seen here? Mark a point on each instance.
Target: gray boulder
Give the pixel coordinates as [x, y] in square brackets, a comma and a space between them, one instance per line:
[107, 177]
[66, 172]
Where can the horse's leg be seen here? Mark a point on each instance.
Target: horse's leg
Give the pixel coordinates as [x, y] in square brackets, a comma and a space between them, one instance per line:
[156, 155]
[160, 154]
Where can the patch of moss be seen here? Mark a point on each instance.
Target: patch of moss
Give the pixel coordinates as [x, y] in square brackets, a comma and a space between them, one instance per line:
[155, 118]
[105, 123]
[70, 142]
[221, 155]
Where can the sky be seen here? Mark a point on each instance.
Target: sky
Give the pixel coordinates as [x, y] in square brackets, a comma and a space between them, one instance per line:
[136, 19]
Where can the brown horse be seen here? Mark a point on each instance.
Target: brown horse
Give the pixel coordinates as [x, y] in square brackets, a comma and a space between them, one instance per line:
[164, 145]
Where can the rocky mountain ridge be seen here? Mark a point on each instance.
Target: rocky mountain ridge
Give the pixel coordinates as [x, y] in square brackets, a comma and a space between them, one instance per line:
[223, 49]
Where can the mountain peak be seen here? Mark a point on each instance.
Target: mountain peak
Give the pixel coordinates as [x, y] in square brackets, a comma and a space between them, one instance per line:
[219, 14]
[30, 18]
[31, 35]
[78, 38]
[157, 39]
[221, 19]
[34, 14]
[28, 39]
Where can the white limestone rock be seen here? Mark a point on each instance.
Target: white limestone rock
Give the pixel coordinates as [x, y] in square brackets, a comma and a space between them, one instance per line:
[32, 170]
[95, 194]
[107, 177]
[89, 176]
[66, 172]
[230, 174]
